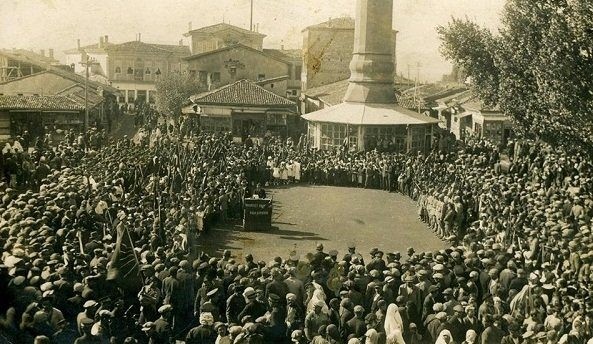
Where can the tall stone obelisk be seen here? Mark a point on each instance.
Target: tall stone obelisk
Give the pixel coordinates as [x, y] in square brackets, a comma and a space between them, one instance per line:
[371, 68]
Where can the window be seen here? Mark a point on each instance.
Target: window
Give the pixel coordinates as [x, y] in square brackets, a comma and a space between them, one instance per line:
[215, 124]
[158, 71]
[131, 96]
[130, 70]
[203, 77]
[271, 85]
[261, 77]
[294, 92]
[215, 77]
[297, 72]
[418, 141]
[147, 72]
[386, 138]
[117, 70]
[332, 135]
[152, 97]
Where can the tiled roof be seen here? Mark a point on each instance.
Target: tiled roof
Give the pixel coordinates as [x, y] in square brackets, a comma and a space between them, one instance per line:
[39, 103]
[224, 26]
[285, 54]
[148, 47]
[330, 94]
[335, 23]
[91, 48]
[28, 56]
[242, 92]
[475, 104]
[236, 46]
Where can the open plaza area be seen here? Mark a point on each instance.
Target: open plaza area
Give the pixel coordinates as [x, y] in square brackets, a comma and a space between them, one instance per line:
[306, 215]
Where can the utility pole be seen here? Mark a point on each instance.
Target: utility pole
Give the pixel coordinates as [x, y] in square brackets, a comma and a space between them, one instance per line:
[86, 65]
[251, 17]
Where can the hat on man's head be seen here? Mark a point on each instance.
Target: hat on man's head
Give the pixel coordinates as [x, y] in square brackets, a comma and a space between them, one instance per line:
[249, 292]
[165, 308]
[90, 304]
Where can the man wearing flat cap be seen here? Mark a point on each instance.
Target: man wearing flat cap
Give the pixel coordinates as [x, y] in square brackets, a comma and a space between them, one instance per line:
[90, 307]
[411, 294]
[277, 286]
[86, 337]
[162, 326]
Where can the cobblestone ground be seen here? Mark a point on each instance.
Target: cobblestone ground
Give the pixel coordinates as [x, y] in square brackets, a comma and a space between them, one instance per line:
[335, 216]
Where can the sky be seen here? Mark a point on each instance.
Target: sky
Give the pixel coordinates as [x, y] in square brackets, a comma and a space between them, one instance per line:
[57, 24]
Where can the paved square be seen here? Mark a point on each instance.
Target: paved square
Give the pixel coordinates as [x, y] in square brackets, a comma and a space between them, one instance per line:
[335, 216]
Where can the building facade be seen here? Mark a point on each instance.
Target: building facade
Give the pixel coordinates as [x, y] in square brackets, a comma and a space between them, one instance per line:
[132, 67]
[102, 99]
[135, 67]
[39, 115]
[245, 109]
[222, 35]
[223, 54]
[327, 51]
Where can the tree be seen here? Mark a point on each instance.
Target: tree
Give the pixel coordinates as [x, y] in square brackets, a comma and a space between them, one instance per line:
[173, 92]
[537, 67]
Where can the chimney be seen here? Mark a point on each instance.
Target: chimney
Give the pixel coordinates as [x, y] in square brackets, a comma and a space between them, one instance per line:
[42, 52]
[78, 43]
[180, 42]
[282, 47]
[139, 37]
[371, 68]
[51, 53]
[189, 26]
[106, 39]
[329, 22]
[101, 42]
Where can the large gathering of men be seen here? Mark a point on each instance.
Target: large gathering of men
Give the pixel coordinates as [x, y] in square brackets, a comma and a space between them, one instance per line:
[99, 245]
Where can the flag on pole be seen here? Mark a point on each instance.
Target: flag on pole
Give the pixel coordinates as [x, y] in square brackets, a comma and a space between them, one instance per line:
[125, 267]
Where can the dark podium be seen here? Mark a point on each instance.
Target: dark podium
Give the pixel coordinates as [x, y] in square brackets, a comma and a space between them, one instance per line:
[257, 214]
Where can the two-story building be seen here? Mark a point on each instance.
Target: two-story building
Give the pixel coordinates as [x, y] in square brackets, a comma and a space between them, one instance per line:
[223, 54]
[135, 67]
[132, 67]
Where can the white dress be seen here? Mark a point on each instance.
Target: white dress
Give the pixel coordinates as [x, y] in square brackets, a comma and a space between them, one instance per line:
[393, 325]
[297, 170]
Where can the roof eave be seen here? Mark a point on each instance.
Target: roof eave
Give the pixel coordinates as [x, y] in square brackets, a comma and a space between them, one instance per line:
[197, 102]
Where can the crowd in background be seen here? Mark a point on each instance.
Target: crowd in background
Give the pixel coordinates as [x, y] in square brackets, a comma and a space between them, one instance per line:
[104, 248]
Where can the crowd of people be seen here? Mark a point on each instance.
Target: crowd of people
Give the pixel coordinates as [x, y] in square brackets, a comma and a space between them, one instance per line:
[25, 161]
[105, 248]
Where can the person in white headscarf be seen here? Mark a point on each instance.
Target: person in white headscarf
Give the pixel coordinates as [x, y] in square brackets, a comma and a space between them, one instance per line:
[371, 336]
[471, 337]
[394, 325]
[7, 149]
[318, 295]
[445, 338]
